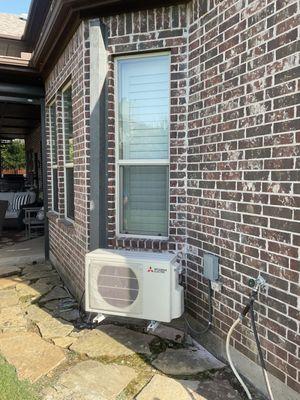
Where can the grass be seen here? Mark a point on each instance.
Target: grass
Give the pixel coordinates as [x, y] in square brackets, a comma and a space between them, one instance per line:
[10, 386]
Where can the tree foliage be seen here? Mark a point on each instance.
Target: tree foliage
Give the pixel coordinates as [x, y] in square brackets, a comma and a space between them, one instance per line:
[13, 155]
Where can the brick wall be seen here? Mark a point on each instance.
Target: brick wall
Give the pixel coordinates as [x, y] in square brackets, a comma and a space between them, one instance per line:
[243, 171]
[69, 240]
[146, 31]
[234, 167]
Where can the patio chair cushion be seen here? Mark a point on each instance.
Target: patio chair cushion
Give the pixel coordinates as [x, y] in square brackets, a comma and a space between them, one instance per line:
[9, 196]
[19, 201]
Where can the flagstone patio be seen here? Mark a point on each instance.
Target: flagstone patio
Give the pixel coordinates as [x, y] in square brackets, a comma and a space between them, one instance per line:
[44, 337]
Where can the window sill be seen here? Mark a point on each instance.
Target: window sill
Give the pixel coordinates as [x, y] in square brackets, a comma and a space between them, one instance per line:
[144, 243]
[66, 224]
[52, 215]
[142, 237]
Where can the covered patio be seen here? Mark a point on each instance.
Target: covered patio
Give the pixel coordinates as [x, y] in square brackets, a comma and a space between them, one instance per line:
[21, 108]
[20, 121]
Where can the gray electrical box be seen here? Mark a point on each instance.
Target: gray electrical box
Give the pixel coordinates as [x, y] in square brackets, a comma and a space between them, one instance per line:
[210, 267]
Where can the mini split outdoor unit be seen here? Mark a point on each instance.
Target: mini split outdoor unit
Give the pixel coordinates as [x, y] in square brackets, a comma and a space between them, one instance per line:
[133, 284]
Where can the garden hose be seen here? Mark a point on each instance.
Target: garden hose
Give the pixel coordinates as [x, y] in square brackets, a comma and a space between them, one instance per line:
[259, 282]
[235, 324]
[260, 353]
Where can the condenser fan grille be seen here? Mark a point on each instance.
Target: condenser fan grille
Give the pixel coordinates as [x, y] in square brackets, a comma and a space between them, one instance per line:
[118, 286]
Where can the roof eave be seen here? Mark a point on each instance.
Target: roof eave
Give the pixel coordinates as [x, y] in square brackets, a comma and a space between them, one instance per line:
[36, 16]
[65, 17]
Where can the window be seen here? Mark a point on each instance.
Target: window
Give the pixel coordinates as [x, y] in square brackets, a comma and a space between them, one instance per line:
[143, 145]
[68, 151]
[53, 147]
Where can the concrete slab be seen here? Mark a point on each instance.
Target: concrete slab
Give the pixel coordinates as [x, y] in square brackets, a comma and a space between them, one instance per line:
[22, 253]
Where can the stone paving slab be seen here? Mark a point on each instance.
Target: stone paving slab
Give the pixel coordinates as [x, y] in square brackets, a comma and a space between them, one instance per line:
[218, 389]
[56, 294]
[31, 356]
[9, 270]
[164, 388]
[9, 282]
[64, 342]
[112, 341]
[34, 356]
[65, 303]
[169, 333]
[37, 314]
[92, 380]
[12, 319]
[32, 292]
[68, 315]
[54, 328]
[8, 298]
[39, 274]
[27, 269]
[186, 361]
[52, 279]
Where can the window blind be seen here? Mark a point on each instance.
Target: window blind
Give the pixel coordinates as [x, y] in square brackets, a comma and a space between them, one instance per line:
[145, 199]
[144, 108]
[143, 154]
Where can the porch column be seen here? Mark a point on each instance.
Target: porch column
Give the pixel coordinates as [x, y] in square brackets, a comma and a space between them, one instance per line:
[44, 174]
[98, 134]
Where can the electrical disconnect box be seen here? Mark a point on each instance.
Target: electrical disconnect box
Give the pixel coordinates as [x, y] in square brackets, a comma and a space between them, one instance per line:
[211, 267]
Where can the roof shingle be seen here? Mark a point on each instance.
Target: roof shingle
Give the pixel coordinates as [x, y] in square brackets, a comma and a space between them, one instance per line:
[11, 25]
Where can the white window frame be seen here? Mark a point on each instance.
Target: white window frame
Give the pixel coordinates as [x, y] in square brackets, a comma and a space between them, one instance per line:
[119, 163]
[53, 166]
[66, 165]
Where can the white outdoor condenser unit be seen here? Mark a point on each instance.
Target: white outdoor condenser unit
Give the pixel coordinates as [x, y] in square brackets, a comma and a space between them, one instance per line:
[133, 284]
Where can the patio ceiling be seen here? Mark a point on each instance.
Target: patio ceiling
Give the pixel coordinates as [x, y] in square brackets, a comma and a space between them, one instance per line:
[19, 109]
[17, 120]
